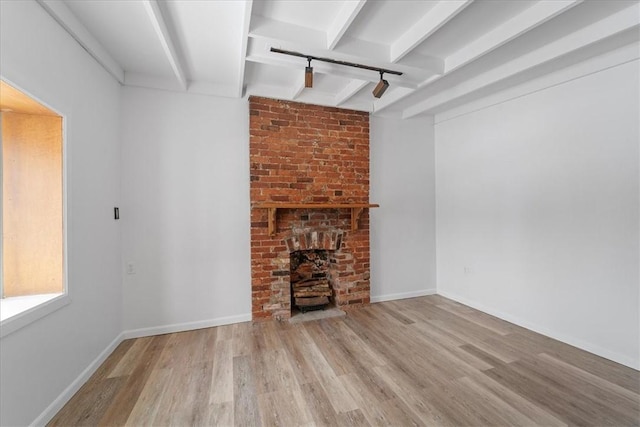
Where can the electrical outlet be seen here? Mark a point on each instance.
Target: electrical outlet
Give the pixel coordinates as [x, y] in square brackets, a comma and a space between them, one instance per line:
[131, 269]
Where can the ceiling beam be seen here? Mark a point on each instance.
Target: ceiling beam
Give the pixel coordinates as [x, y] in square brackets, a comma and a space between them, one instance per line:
[298, 87]
[307, 97]
[526, 21]
[623, 53]
[414, 72]
[245, 24]
[391, 98]
[341, 23]
[133, 78]
[266, 33]
[352, 88]
[439, 15]
[277, 32]
[617, 23]
[522, 23]
[424, 62]
[166, 40]
[294, 37]
[358, 48]
[65, 17]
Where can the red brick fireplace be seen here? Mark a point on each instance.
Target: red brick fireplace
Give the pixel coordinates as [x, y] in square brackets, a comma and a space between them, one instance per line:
[307, 154]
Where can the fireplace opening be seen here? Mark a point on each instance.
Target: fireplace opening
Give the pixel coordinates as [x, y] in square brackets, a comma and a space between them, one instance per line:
[310, 280]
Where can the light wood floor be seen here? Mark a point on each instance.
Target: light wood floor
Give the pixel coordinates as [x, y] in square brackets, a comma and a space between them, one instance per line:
[422, 361]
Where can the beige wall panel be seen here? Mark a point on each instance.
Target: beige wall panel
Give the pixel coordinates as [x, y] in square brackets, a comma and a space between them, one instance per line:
[32, 204]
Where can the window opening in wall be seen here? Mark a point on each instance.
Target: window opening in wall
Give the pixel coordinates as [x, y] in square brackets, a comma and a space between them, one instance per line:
[32, 256]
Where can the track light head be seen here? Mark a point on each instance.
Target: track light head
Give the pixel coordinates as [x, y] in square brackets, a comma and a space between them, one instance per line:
[381, 87]
[308, 74]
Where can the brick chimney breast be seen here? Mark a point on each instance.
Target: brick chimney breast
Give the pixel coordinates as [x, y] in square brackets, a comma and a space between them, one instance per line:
[301, 153]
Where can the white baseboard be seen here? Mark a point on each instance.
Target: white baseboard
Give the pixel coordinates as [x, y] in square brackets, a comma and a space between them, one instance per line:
[402, 295]
[591, 348]
[68, 393]
[189, 326]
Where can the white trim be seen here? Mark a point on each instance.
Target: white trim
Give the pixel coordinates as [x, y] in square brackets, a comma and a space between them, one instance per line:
[189, 326]
[32, 314]
[402, 295]
[14, 306]
[68, 393]
[586, 346]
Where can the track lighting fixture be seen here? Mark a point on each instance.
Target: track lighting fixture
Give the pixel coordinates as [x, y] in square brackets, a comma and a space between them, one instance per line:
[381, 87]
[308, 74]
[379, 90]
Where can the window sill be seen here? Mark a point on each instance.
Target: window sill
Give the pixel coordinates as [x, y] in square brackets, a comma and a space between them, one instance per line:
[18, 312]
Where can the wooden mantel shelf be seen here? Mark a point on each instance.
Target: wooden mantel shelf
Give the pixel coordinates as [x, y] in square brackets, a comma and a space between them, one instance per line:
[356, 210]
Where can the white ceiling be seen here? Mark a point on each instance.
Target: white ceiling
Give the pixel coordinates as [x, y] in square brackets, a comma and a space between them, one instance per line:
[450, 51]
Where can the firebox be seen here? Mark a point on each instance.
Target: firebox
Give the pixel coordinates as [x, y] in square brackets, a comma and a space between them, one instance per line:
[310, 279]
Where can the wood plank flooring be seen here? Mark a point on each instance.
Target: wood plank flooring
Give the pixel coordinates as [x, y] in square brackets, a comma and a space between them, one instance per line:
[421, 361]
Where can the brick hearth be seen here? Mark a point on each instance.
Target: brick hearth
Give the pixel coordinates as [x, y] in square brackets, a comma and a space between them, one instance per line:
[304, 153]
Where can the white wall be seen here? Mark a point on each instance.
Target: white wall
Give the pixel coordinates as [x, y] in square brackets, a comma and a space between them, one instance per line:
[537, 198]
[39, 361]
[403, 227]
[185, 210]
